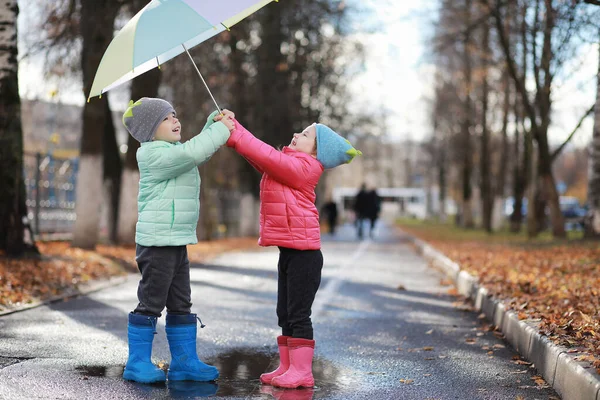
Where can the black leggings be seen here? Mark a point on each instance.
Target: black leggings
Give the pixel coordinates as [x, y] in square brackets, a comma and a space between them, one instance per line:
[298, 281]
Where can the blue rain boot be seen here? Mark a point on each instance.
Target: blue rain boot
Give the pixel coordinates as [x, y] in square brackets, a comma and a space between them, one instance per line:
[185, 365]
[139, 368]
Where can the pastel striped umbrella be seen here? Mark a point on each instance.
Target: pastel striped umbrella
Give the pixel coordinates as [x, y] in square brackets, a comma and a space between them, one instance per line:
[163, 29]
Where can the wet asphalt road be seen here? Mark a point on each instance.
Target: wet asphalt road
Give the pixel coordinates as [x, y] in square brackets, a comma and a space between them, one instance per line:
[384, 325]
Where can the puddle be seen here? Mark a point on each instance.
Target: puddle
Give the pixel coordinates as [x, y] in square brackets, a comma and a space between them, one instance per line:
[191, 390]
[111, 371]
[240, 371]
[239, 376]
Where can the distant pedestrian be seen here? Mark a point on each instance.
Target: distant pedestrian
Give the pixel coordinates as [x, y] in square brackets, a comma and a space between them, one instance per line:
[168, 209]
[361, 205]
[372, 209]
[290, 220]
[331, 214]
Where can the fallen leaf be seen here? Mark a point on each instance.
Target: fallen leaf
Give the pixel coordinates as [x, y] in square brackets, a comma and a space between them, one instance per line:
[521, 362]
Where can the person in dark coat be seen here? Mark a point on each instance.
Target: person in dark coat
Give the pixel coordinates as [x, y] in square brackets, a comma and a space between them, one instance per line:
[373, 208]
[331, 214]
[361, 207]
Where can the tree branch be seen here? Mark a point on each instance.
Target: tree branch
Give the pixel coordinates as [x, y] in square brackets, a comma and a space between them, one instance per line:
[557, 152]
[512, 68]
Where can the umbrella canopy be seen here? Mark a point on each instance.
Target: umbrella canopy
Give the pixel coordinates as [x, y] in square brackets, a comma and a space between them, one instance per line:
[162, 30]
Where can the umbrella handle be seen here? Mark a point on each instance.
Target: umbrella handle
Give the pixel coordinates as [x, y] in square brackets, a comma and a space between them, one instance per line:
[201, 77]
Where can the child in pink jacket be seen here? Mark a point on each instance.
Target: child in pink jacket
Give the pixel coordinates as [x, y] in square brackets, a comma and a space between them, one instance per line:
[289, 219]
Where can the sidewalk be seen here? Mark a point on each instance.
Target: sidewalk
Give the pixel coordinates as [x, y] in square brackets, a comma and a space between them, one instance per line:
[572, 379]
[385, 325]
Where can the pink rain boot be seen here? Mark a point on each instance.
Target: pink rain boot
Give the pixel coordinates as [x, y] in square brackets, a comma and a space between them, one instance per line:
[300, 371]
[284, 361]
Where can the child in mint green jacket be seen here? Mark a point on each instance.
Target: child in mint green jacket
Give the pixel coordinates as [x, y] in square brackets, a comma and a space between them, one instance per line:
[168, 209]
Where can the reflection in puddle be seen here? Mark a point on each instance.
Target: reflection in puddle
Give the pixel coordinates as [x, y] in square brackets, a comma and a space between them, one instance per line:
[191, 389]
[240, 370]
[239, 376]
[288, 394]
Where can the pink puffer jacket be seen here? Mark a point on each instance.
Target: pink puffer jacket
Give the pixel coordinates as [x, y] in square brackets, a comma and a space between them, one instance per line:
[288, 215]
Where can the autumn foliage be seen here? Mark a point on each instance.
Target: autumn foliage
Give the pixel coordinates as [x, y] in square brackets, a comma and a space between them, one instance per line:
[555, 283]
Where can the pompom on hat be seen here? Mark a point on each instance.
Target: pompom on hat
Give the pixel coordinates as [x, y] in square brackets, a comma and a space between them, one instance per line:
[143, 117]
[332, 149]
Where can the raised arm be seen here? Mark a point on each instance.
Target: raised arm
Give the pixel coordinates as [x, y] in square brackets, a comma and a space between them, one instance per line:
[291, 171]
[167, 163]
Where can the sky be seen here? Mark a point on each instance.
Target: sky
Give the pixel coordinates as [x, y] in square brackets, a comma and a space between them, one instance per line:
[397, 70]
[397, 78]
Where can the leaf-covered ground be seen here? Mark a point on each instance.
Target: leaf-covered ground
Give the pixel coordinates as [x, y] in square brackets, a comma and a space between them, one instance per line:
[62, 268]
[556, 283]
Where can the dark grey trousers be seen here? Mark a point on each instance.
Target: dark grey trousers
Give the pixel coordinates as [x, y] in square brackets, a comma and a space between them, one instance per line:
[299, 277]
[165, 280]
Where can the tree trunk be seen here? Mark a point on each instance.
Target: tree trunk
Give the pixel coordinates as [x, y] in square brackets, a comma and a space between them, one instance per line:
[112, 175]
[273, 84]
[548, 186]
[467, 166]
[521, 172]
[500, 188]
[442, 182]
[13, 210]
[145, 85]
[544, 104]
[533, 197]
[97, 24]
[522, 167]
[592, 226]
[487, 195]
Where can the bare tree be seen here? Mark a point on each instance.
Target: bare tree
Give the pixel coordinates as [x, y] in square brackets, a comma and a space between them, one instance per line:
[96, 25]
[13, 210]
[145, 85]
[485, 167]
[593, 225]
[539, 110]
[593, 220]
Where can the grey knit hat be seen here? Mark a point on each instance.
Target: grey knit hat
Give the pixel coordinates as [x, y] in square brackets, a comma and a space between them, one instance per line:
[143, 117]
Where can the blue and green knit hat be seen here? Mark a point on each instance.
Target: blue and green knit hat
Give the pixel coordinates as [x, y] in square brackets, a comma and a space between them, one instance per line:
[332, 149]
[143, 117]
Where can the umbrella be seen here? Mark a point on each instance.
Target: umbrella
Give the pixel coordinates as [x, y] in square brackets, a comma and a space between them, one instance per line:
[163, 29]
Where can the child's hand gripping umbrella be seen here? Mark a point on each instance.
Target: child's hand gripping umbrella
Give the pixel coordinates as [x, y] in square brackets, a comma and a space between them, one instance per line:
[162, 30]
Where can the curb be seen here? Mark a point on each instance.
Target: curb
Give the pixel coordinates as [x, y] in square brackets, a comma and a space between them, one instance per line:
[82, 290]
[569, 377]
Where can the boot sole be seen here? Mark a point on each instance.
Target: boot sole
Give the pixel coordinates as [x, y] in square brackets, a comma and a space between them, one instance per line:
[187, 376]
[294, 386]
[131, 376]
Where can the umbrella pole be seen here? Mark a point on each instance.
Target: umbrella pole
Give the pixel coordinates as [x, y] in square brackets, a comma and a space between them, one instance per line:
[201, 77]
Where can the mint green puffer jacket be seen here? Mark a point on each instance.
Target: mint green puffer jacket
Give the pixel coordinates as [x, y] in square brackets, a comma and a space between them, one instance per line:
[169, 196]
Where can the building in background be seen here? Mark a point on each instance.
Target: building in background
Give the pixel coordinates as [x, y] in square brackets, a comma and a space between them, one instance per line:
[400, 171]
